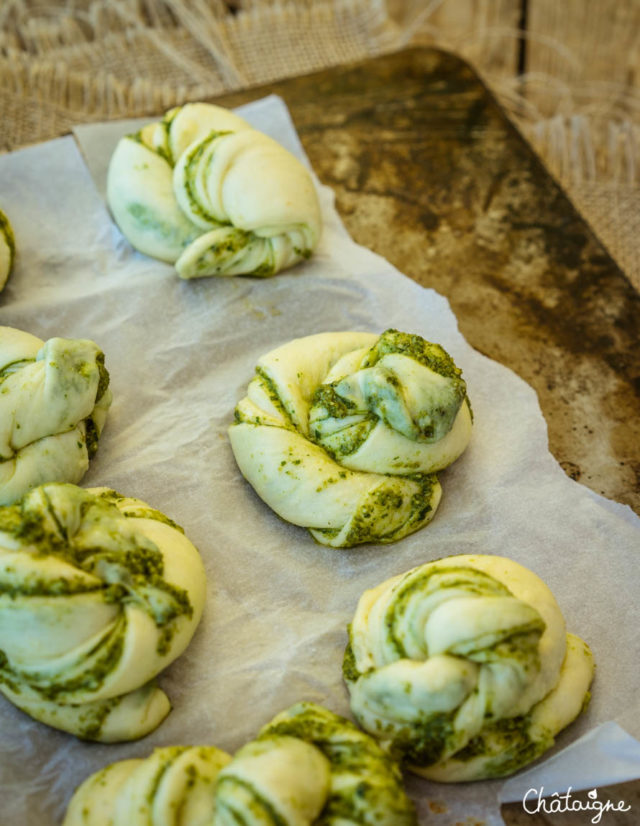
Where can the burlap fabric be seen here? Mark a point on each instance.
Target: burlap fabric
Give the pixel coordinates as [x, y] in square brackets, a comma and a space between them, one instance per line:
[64, 62]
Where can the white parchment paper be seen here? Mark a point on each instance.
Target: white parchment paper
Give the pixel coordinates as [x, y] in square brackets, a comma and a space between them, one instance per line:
[180, 356]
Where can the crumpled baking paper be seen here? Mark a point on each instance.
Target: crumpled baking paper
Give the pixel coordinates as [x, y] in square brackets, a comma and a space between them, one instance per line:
[180, 356]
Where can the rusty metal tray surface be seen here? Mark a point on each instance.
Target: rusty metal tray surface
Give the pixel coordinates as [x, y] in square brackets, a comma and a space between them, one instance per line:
[429, 172]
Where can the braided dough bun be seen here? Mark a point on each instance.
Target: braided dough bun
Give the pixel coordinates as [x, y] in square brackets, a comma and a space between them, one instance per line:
[308, 766]
[463, 667]
[342, 432]
[202, 190]
[53, 404]
[7, 249]
[98, 593]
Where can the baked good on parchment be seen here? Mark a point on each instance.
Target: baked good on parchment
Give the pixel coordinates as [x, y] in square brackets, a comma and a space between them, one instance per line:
[307, 767]
[7, 249]
[202, 190]
[342, 433]
[98, 593]
[54, 398]
[463, 667]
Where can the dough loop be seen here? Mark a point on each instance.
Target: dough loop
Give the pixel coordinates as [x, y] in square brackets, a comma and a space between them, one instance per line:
[98, 593]
[464, 668]
[202, 190]
[7, 249]
[54, 398]
[342, 433]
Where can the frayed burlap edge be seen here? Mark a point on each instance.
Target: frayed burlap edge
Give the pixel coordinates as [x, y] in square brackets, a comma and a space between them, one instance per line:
[105, 59]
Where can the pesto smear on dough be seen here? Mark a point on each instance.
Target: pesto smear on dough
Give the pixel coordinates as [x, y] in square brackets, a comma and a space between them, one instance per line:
[91, 533]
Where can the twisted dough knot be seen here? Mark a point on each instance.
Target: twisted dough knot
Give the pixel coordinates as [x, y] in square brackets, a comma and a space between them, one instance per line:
[464, 668]
[308, 766]
[203, 190]
[7, 249]
[98, 593]
[54, 399]
[342, 432]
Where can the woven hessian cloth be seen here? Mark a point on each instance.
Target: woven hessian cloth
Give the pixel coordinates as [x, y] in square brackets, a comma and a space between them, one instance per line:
[74, 61]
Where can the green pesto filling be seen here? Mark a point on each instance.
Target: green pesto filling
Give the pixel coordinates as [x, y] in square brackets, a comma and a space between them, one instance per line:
[376, 797]
[147, 218]
[243, 794]
[303, 253]
[343, 744]
[91, 436]
[318, 729]
[170, 756]
[263, 270]
[7, 230]
[268, 265]
[506, 746]
[234, 241]
[384, 399]
[103, 373]
[520, 646]
[423, 743]
[192, 161]
[366, 525]
[192, 775]
[167, 124]
[434, 579]
[272, 391]
[350, 671]
[511, 731]
[134, 509]
[372, 786]
[7, 676]
[13, 367]
[219, 254]
[336, 407]
[92, 720]
[347, 441]
[421, 500]
[157, 150]
[430, 355]
[131, 568]
[100, 662]
[31, 586]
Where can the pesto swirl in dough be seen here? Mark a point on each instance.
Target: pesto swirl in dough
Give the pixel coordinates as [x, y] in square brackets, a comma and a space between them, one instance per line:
[98, 593]
[202, 190]
[464, 668]
[54, 398]
[7, 249]
[342, 433]
[307, 767]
